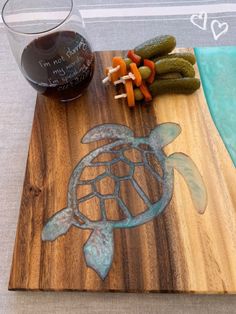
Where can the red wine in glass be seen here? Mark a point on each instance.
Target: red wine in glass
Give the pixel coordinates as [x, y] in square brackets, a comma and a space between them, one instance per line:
[59, 65]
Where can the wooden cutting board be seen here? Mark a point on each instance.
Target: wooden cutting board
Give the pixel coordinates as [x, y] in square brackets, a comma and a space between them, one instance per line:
[179, 250]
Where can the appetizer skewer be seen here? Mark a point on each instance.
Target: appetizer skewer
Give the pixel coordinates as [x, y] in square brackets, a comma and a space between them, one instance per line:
[151, 69]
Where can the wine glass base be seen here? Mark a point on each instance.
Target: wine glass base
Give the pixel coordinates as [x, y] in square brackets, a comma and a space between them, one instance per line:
[70, 99]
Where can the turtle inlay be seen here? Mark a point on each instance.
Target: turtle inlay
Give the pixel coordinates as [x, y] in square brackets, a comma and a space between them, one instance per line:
[129, 153]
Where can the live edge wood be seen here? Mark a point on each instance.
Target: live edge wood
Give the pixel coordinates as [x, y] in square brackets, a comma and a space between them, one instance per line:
[179, 251]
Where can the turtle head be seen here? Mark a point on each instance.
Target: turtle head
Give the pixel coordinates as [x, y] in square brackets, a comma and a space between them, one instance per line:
[164, 134]
[107, 131]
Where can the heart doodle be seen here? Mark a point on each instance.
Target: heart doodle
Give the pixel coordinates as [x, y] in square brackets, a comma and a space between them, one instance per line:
[199, 20]
[218, 28]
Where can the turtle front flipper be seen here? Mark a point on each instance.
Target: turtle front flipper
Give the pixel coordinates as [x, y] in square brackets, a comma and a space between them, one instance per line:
[187, 168]
[98, 250]
[58, 224]
[164, 134]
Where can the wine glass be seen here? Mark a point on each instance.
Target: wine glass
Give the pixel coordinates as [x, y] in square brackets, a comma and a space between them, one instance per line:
[50, 45]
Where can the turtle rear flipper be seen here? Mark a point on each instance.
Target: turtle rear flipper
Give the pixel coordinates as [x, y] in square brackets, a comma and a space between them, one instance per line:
[58, 224]
[99, 249]
[187, 168]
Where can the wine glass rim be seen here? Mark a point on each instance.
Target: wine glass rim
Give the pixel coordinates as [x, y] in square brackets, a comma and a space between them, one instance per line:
[40, 32]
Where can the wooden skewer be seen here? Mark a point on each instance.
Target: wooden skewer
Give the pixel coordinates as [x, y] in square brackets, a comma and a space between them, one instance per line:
[106, 79]
[114, 69]
[111, 70]
[129, 76]
[120, 96]
[119, 81]
[124, 78]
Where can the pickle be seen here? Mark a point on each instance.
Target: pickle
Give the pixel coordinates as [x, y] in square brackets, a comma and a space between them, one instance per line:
[176, 86]
[157, 46]
[145, 72]
[171, 75]
[182, 66]
[127, 62]
[138, 94]
[184, 55]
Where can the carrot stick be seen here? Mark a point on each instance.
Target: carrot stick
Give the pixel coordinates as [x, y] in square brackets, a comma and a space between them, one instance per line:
[135, 58]
[145, 92]
[130, 93]
[151, 65]
[107, 70]
[118, 61]
[136, 73]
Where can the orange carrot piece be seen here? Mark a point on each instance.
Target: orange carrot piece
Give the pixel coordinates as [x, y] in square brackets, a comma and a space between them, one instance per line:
[135, 58]
[120, 61]
[130, 93]
[151, 65]
[122, 70]
[136, 73]
[145, 92]
[107, 70]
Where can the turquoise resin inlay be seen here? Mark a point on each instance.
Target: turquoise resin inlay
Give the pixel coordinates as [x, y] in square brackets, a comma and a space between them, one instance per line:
[99, 248]
[217, 66]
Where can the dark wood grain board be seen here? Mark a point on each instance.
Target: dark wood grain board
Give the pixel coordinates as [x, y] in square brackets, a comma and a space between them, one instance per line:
[178, 251]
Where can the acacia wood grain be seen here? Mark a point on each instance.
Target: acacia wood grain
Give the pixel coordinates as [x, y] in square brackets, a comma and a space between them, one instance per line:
[179, 251]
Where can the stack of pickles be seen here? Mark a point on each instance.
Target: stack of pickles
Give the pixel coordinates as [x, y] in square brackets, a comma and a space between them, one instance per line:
[151, 69]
